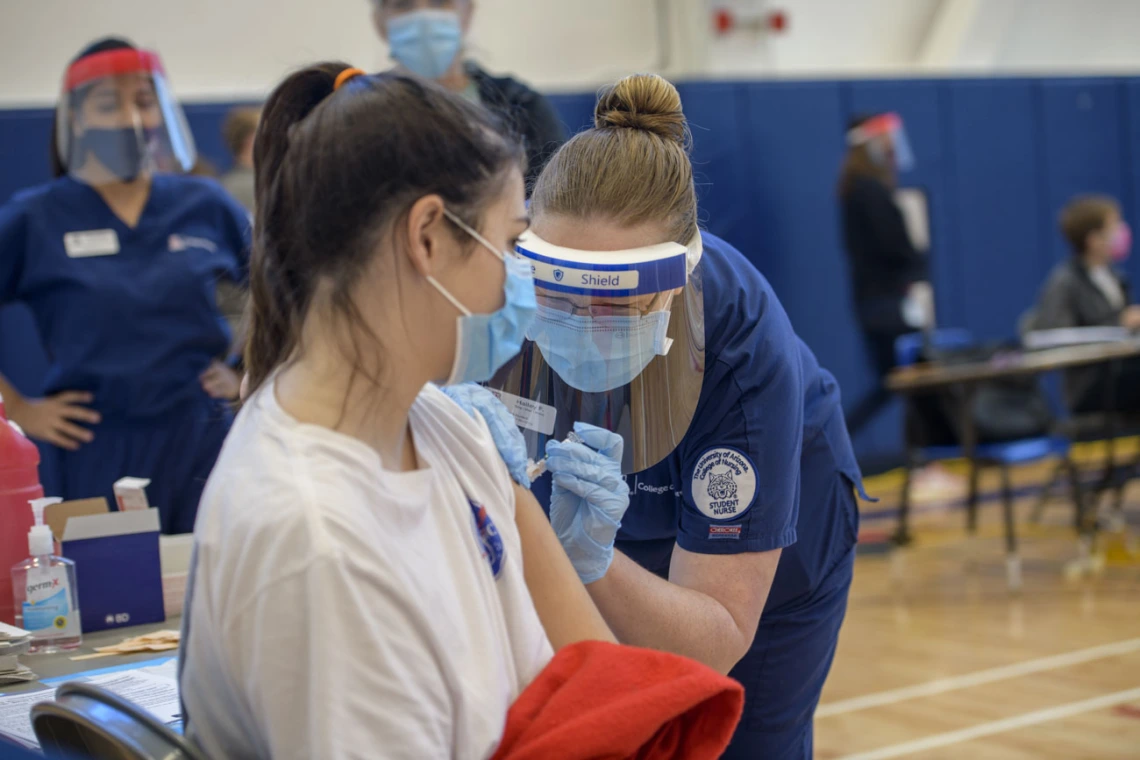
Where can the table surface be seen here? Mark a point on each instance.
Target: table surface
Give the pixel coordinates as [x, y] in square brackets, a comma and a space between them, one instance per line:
[934, 374]
[56, 665]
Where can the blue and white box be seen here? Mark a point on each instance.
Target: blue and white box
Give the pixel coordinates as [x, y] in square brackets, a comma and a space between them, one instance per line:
[119, 568]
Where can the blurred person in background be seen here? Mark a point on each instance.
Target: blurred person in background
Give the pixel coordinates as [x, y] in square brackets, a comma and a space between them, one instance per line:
[889, 277]
[238, 131]
[1088, 291]
[890, 281]
[203, 167]
[428, 38]
[118, 262]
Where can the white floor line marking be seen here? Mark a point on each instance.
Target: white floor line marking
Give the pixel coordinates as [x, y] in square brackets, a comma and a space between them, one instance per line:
[966, 680]
[996, 727]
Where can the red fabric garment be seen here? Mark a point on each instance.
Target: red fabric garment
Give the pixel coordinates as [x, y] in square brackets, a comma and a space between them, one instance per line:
[600, 701]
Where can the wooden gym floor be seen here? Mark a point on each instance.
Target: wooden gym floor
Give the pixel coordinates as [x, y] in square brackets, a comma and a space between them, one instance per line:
[938, 660]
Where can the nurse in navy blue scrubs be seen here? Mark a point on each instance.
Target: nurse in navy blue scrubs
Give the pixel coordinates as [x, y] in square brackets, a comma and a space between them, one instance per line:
[118, 260]
[720, 430]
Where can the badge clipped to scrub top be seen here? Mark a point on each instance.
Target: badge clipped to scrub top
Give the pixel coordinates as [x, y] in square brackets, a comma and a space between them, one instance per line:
[618, 342]
[89, 243]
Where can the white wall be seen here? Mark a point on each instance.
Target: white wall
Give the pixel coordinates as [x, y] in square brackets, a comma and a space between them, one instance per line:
[828, 38]
[1059, 35]
[231, 49]
[215, 49]
[824, 37]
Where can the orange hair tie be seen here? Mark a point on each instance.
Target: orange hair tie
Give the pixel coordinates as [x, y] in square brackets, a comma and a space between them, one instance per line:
[347, 74]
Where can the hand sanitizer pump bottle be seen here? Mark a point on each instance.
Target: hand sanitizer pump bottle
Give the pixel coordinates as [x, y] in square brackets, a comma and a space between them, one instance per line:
[43, 586]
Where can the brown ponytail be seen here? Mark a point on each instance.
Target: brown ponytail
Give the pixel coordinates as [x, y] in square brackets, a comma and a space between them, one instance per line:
[334, 170]
[633, 167]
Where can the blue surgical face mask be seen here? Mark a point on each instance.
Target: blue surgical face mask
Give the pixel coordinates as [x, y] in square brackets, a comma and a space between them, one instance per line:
[596, 354]
[485, 342]
[120, 150]
[425, 42]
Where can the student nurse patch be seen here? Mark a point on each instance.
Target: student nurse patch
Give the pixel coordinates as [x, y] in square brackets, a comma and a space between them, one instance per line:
[724, 484]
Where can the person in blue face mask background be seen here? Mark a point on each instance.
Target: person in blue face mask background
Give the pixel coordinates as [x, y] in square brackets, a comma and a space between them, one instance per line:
[428, 38]
[119, 259]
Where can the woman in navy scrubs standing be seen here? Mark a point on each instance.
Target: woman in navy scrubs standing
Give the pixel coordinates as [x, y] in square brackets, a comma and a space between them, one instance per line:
[118, 260]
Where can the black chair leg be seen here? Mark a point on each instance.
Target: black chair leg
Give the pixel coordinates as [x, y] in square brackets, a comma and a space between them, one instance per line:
[1047, 492]
[902, 535]
[1128, 472]
[1078, 494]
[1012, 558]
[1085, 524]
[1109, 465]
[972, 499]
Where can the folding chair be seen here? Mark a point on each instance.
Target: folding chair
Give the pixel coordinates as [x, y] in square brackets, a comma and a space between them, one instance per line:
[908, 351]
[86, 721]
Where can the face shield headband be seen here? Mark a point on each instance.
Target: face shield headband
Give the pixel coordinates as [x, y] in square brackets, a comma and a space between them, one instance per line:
[111, 63]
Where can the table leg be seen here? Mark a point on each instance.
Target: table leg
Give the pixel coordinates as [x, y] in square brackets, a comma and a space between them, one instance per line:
[1087, 515]
[969, 433]
[902, 535]
[1012, 558]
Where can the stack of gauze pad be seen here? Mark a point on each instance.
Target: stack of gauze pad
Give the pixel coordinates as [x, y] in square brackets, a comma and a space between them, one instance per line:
[13, 643]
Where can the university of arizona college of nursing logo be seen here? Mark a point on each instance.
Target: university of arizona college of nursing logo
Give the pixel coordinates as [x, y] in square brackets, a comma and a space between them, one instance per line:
[488, 537]
[724, 484]
[722, 487]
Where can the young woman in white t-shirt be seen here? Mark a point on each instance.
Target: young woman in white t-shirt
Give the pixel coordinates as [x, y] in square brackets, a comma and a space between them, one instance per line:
[358, 587]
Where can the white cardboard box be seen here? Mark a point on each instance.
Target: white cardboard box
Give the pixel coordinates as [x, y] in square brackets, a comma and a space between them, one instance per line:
[130, 493]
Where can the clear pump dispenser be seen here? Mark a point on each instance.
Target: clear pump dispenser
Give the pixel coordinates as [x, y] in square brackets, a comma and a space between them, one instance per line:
[47, 601]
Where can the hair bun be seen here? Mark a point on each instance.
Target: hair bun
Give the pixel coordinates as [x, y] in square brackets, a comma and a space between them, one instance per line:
[646, 102]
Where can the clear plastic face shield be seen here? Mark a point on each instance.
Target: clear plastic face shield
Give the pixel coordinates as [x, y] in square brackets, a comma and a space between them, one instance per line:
[618, 342]
[117, 119]
[886, 141]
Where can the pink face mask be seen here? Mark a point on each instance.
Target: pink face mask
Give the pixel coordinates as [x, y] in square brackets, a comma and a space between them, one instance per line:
[1121, 243]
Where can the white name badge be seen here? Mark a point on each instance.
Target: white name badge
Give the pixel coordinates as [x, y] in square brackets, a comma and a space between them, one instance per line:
[82, 245]
[529, 415]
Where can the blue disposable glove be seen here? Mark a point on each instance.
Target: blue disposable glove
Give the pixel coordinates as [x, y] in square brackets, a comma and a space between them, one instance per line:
[475, 399]
[588, 498]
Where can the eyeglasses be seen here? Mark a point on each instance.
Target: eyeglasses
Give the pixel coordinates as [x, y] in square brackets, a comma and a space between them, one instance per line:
[659, 302]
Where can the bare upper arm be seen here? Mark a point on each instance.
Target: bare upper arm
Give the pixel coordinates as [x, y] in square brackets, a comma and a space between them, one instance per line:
[740, 582]
[564, 607]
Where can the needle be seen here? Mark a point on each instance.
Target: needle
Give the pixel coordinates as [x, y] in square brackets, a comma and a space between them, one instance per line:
[535, 470]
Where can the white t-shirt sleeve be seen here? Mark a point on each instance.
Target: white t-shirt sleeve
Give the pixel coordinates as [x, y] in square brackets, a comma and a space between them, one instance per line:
[473, 447]
[335, 666]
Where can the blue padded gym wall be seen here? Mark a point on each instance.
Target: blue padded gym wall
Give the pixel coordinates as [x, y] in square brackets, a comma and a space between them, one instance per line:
[997, 159]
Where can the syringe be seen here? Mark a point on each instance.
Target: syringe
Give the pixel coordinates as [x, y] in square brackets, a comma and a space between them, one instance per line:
[535, 470]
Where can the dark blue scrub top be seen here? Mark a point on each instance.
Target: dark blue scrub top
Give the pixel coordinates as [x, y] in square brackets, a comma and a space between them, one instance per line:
[768, 419]
[134, 327]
